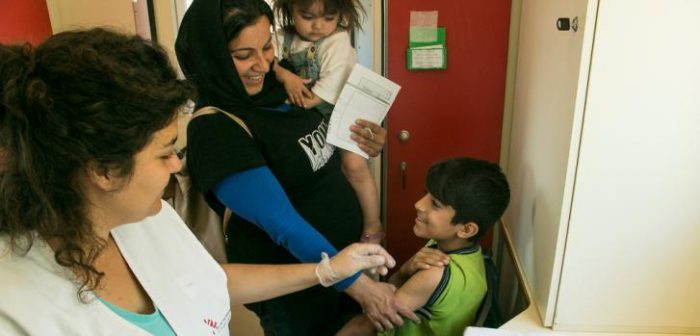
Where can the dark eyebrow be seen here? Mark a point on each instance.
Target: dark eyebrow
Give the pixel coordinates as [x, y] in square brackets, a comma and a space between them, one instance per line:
[241, 49]
[269, 39]
[171, 143]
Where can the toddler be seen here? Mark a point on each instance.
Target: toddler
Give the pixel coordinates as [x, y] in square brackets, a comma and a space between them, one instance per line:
[315, 44]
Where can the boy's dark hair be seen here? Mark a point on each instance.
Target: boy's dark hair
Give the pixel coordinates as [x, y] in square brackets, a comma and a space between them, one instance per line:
[477, 190]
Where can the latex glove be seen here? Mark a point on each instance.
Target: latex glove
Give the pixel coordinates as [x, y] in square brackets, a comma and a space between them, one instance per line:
[352, 259]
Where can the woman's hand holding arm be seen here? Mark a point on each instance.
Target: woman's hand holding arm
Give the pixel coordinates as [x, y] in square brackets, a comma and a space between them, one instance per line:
[413, 294]
[379, 303]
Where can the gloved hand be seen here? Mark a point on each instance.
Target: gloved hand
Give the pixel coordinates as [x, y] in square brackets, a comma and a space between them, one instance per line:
[351, 260]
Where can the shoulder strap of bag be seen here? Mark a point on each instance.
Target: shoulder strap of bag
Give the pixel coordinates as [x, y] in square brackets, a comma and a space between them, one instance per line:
[211, 110]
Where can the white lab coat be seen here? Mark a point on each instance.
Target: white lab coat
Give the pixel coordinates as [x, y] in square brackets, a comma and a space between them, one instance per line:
[39, 297]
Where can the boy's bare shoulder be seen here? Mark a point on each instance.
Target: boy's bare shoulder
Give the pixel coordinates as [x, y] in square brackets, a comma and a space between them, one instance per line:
[427, 279]
[418, 289]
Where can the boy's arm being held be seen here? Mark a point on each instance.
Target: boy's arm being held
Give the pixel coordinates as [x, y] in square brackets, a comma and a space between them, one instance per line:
[414, 293]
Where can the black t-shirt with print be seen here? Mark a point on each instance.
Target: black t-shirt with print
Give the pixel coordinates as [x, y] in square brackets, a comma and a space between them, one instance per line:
[292, 144]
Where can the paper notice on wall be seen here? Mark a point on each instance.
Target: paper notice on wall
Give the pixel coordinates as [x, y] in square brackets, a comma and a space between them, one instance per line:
[426, 42]
[427, 57]
[366, 95]
[423, 27]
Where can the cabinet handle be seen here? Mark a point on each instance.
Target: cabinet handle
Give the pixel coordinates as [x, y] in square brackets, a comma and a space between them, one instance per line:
[566, 24]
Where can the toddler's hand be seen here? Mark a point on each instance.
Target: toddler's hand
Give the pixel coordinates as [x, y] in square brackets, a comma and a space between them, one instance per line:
[297, 90]
[294, 85]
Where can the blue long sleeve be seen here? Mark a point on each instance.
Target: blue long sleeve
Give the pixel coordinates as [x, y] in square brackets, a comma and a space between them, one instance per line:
[256, 195]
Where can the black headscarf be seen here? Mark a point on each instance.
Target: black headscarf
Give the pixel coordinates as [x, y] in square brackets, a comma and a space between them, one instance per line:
[202, 52]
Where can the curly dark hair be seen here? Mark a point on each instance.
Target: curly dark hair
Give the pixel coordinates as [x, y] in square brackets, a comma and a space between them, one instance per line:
[351, 12]
[91, 98]
[477, 190]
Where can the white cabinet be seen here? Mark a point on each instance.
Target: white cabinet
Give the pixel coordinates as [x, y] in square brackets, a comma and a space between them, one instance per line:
[604, 162]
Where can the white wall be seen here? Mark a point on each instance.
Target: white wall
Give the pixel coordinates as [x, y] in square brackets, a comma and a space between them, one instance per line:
[72, 14]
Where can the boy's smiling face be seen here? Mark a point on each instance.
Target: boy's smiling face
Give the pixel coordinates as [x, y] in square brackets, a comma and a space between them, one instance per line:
[434, 219]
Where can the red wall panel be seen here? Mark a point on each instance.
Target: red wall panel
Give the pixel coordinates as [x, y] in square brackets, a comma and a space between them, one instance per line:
[24, 21]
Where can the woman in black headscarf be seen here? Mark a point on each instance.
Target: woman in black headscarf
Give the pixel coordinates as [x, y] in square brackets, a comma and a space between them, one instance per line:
[290, 199]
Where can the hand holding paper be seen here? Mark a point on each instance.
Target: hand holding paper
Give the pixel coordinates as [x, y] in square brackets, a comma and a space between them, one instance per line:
[366, 95]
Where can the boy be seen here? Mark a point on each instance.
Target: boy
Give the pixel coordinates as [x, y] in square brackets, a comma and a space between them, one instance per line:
[464, 198]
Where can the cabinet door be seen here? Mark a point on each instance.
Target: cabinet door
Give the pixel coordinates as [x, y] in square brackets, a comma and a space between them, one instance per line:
[549, 82]
[632, 261]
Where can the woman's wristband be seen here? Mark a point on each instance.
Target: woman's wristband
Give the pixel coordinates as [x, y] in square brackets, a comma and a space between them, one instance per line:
[372, 236]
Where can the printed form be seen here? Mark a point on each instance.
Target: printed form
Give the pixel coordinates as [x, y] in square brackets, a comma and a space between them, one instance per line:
[366, 95]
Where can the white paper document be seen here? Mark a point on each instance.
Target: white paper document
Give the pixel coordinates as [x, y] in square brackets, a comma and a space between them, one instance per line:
[366, 95]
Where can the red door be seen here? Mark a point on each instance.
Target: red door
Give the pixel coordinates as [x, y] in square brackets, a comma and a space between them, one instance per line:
[447, 113]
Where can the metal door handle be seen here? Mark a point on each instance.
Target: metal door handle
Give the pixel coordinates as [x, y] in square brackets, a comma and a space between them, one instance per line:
[404, 136]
